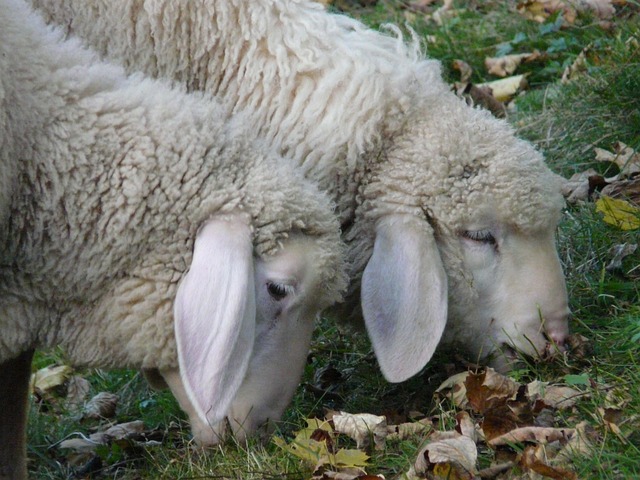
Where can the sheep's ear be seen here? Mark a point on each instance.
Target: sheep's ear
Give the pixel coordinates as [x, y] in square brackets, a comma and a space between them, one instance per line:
[215, 317]
[404, 296]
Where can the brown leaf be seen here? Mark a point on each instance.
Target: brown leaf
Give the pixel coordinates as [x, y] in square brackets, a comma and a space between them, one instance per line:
[540, 10]
[580, 444]
[579, 346]
[120, 431]
[618, 253]
[483, 97]
[625, 158]
[489, 389]
[602, 9]
[628, 190]
[530, 460]
[578, 187]
[494, 470]
[465, 70]
[320, 435]
[507, 64]
[533, 434]
[578, 66]
[103, 405]
[500, 420]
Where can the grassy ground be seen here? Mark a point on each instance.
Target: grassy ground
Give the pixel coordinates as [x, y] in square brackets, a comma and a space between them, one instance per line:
[567, 121]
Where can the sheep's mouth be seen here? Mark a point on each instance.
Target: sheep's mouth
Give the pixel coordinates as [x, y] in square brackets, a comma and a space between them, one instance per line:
[507, 357]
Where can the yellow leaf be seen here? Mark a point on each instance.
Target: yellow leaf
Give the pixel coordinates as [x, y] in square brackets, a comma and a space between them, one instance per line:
[351, 458]
[305, 449]
[619, 213]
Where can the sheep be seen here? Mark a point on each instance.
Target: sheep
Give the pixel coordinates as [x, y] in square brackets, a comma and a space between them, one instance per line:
[141, 228]
[448, 218]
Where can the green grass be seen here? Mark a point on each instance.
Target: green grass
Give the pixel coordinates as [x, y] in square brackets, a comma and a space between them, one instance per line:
[567, 121]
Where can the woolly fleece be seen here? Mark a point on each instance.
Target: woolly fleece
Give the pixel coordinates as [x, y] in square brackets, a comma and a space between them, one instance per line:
[363, 114]
[105, 182]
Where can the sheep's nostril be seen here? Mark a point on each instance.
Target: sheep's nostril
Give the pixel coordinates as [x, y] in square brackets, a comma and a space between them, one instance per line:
[557, 337]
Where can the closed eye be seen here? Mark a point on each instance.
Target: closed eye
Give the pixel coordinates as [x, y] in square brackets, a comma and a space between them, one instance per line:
[278, 291]
[480, 236]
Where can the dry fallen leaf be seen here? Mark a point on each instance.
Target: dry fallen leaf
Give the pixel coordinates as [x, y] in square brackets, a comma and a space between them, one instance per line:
[602, 9]
[489, 389]
[465, 70]
[406, 430]
[456, 456]
[579, 346]
[507, 64]
[533, 434]
[322, 473]
[541, 10]
[554, 396]
[578, 187]
[455, 390]
[618, 253]
[103, 405]
[362, 427]
[578, 66]
[50, 377]
[530, 460]
[625, 157]
[119, 431]
[580, 444]
[443, 13]
[481, 96]
[466, 426]
[628, 190]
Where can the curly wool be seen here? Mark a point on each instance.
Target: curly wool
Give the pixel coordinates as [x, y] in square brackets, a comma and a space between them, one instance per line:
[370, 120]
[106, 179]
[320, 88]
[323, 90]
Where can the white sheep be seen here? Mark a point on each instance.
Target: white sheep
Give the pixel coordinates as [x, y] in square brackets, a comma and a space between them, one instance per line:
[446, 214]
[121, 195]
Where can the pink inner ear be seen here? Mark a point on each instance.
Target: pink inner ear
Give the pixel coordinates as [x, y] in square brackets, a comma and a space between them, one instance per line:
[215, 317]
[404, 296]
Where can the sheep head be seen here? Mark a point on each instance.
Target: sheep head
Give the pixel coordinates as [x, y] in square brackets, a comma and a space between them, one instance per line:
[473, 212]
[250, 371]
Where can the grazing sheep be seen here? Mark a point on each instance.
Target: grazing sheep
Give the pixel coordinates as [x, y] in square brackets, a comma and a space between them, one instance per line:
[446, 214]
[119, 196]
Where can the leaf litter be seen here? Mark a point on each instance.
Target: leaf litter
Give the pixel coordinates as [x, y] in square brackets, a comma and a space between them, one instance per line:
[517, 424]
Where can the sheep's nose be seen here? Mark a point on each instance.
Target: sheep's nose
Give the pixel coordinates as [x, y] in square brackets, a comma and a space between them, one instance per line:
[557, 336]
[557, 330]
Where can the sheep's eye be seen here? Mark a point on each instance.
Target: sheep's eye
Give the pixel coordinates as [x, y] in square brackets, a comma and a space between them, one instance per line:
[277, 290]
[480, 236]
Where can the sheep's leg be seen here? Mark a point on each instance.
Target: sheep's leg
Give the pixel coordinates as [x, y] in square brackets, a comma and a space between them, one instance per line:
[14, 391]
